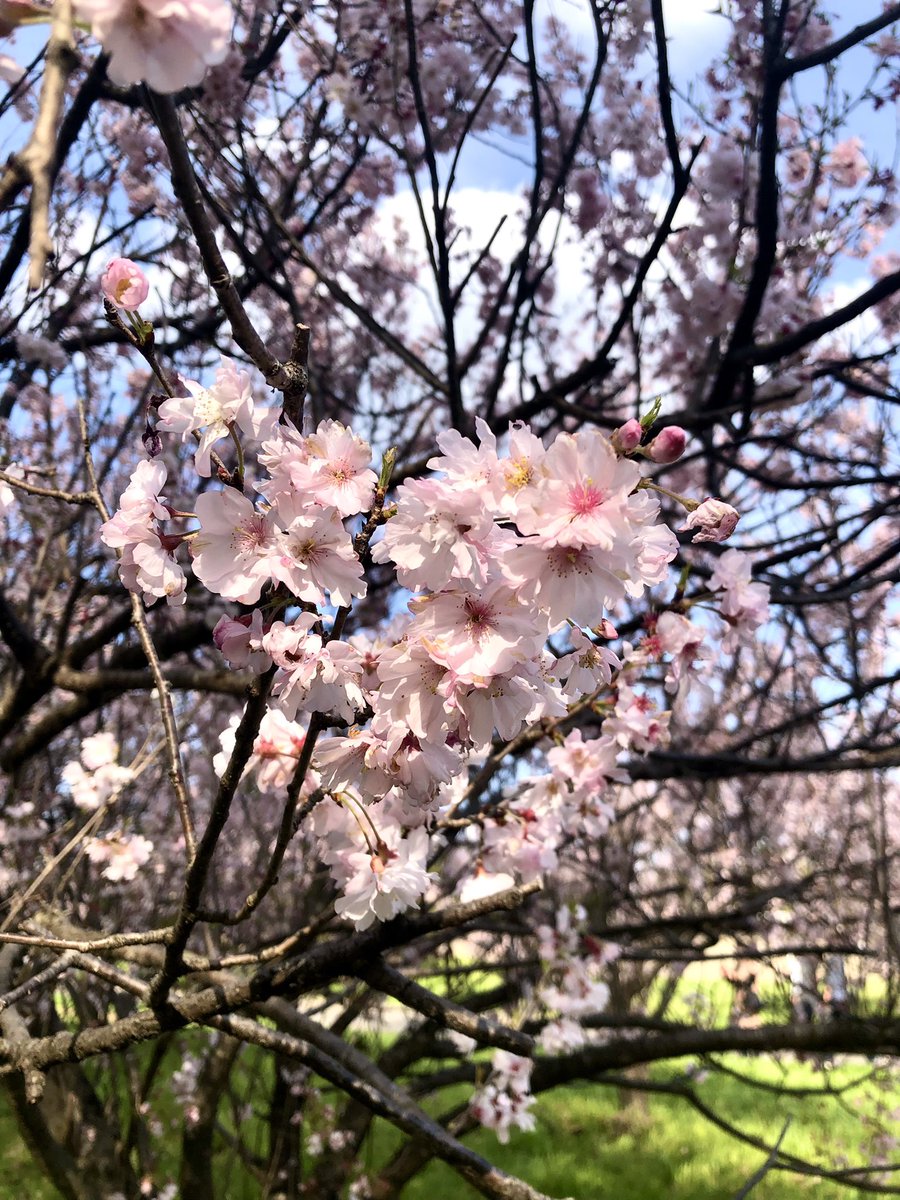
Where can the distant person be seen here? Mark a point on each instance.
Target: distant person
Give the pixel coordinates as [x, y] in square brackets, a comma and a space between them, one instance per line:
[746, 1004]
[836, 994]
[805, 999]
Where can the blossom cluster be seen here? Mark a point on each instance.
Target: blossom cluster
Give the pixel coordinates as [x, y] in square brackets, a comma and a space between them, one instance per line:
[505, 1100]
[94, 780]
[511, 554]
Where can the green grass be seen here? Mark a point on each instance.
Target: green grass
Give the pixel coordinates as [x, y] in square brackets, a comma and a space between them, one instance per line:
[588, 1146]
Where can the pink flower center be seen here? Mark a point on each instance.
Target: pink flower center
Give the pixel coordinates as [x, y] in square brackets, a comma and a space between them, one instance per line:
[585, 498]
[341, 471]
[479, 617]
[249, 536]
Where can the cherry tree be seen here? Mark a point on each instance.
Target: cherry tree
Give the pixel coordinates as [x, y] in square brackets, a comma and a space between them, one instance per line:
[409, 582]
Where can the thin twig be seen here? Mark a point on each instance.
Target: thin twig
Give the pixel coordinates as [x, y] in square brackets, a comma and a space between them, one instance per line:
[139, 620]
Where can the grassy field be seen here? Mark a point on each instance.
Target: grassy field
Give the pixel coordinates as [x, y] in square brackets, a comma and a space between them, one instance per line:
[589, 1146]
[591, 1142]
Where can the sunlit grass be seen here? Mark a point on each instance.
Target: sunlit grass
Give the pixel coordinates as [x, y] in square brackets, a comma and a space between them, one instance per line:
[589, 1144]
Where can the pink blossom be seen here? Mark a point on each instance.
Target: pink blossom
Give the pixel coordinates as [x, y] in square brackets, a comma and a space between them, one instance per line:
[477, 634]
[562, 1036]
[276, 751]
[502, 701]
[499, 1110]
[577, 992]
[522, 844]
[506, 1099]
[146, 562]
[336, 469]
[167, 43]
[314, 676]
[124, 284]
[409, 683]
[440, 533]
[98, 778]
[239, 641]
[586, 766]
[315, 555]
[386, 882]
[714, 521]
[226, 405]
[470, 468]
[232, 551]
[567, 582]
[636, 724]
[580, 497]
[586, 667]
[522, 469]
[744, 604]
[682, 639]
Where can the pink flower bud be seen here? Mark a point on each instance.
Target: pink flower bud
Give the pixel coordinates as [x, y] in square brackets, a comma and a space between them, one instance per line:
[124, 284]
[627, 437]
[714, 521]
[668, 446]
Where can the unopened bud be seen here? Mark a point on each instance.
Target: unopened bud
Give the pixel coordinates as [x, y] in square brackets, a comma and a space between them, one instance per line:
[668, 446]
[152, 441]
[627, 437]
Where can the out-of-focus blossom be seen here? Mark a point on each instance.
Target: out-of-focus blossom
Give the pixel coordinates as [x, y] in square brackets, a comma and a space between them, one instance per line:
[7, 494]
[98, 777]
[745, 603]
[846, 164]
[167, 43]
[123, 855]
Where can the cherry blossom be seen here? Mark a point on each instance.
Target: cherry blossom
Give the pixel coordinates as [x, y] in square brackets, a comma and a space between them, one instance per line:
[745, 604]
[97, 778]
[146, 563]
[239, 641]
[276, 750]
[383, 883]
[321, 677]
[504, 1102]
[7, 494]
[846, 164]
[125, 285]
[714, 521]
[440, 533]
[668, 446]
[167, 43]
[235, 546]
[335, 470]
[122, 853]
[315, 555]
[477, 634]
[216, 410]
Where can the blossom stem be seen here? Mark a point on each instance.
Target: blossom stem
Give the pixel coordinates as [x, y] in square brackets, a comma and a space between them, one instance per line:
[684, 501]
